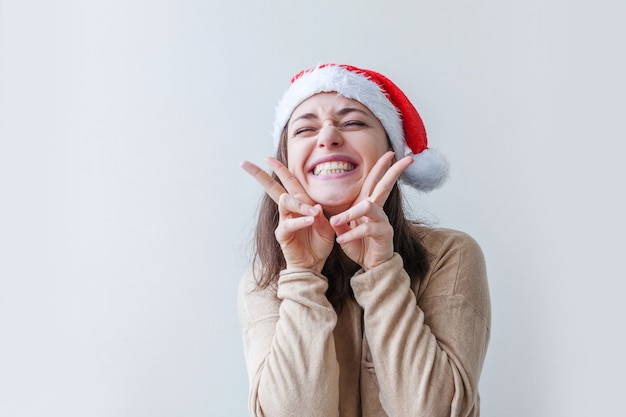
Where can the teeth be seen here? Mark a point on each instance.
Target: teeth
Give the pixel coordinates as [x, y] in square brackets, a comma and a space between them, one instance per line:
[328, 168]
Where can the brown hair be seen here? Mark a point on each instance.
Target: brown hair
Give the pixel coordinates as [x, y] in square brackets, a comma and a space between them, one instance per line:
[269, 259]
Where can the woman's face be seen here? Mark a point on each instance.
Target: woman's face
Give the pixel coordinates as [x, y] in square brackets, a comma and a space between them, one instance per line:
[332, 144]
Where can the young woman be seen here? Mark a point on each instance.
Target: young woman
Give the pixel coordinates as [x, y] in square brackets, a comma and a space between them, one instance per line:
[351, 309]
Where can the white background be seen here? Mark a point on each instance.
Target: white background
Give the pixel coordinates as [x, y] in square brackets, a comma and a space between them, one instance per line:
[125, 220]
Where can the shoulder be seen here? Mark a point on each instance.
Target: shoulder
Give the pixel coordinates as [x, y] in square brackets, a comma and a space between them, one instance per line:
[441, 240]
[457, 265]
[449, 245]
[255, 303]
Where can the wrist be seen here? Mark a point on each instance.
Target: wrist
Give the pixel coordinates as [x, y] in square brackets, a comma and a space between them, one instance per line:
[377, 262]
[317, 268]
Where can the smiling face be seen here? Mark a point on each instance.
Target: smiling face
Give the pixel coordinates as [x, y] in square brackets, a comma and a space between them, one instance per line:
[332, 144]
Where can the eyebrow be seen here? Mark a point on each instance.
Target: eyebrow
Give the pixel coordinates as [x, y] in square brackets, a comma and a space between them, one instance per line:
[341, 112]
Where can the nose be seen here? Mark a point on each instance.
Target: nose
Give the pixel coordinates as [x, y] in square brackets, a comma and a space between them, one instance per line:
[329, 136]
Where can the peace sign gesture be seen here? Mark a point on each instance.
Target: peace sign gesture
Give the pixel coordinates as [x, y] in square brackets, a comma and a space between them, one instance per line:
[304, 234]
[364, 231]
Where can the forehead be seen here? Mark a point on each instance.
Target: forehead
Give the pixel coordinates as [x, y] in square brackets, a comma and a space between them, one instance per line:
[331, 102]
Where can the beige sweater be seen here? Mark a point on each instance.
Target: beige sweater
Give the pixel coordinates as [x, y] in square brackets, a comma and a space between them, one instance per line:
[401, 349]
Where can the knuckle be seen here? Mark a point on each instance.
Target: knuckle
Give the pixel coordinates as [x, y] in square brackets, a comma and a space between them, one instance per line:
[283, 201]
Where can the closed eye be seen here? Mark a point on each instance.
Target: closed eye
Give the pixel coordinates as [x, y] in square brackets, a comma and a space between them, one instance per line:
[303, 130]
[354, 123]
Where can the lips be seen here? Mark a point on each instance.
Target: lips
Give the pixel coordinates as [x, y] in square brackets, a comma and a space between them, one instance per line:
[333, 168]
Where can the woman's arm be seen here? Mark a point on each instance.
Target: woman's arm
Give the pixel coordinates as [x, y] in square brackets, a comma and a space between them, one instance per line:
[289, 346]
[428, 354]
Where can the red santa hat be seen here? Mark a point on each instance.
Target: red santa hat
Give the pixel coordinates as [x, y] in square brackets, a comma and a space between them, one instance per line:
[386, 101]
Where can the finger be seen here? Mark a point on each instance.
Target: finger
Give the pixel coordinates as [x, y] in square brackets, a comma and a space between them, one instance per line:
[288, 227]
[385, 185]
[365, 208]
[289, 205]
[269, 184]
[376, 174]
[374, 230]
[340, 228]
[290, 182]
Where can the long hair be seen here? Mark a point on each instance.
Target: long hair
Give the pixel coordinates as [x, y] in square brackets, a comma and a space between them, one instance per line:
[269, 259]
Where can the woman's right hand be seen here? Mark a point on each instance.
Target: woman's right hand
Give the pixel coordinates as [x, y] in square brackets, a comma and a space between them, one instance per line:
[304, 234]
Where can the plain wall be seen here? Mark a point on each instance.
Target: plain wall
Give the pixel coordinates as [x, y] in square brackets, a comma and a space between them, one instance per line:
[125, 221]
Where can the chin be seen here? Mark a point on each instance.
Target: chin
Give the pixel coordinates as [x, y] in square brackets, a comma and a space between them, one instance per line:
[334, 206]
[334, 199]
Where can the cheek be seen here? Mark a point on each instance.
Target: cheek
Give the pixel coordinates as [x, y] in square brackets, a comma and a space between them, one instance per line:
[296, 158]
[376, 154]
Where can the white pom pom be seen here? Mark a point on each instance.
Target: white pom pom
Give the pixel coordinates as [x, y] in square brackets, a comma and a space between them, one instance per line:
[428, 171]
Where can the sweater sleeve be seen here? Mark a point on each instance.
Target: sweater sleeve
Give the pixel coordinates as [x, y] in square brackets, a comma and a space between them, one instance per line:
[427, 346]
[289, 346]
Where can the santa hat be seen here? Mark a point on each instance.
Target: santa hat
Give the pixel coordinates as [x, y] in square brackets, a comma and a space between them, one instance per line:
[386, 101]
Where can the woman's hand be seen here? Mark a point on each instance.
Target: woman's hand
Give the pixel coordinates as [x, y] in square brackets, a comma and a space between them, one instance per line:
[364, 231]
[304, 234]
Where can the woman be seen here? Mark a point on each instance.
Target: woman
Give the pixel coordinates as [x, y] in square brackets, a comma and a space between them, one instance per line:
[350, 309]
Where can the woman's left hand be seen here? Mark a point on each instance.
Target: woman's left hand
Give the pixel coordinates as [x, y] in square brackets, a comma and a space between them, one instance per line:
[364, 231]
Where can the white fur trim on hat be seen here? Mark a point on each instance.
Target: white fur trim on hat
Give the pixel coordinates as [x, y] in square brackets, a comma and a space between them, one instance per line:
[333, 78]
